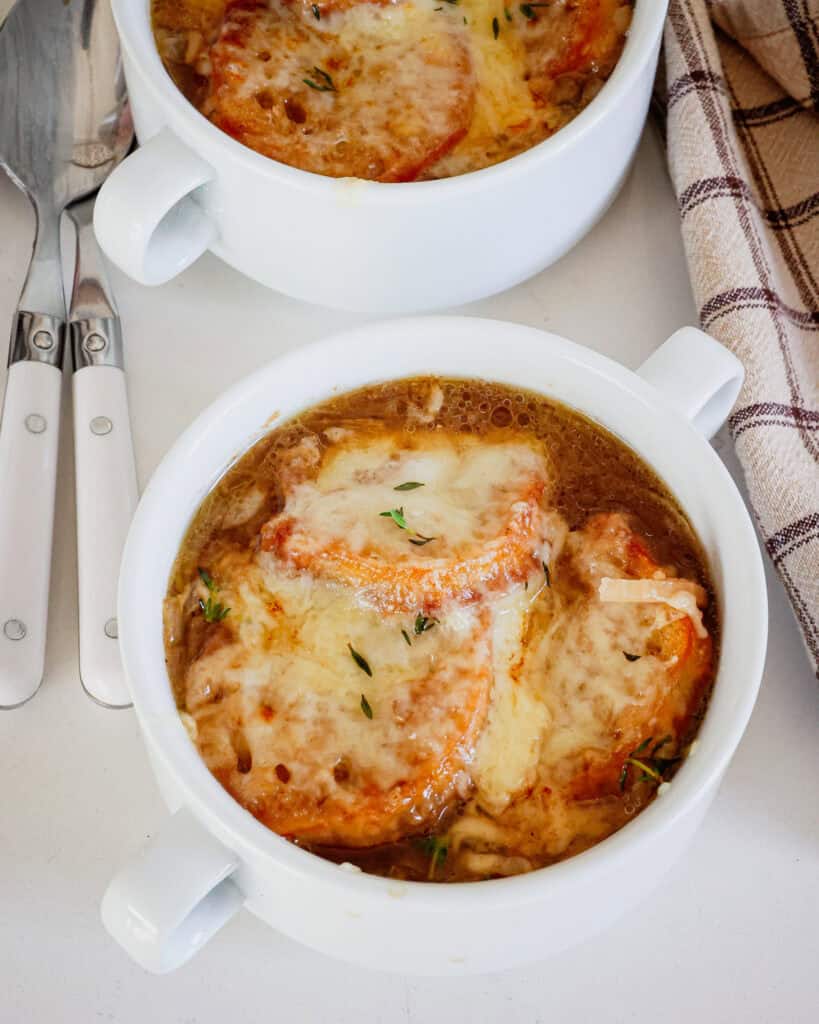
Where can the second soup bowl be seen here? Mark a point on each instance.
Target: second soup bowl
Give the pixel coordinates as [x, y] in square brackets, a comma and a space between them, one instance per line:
[353, 244]
[212, 856]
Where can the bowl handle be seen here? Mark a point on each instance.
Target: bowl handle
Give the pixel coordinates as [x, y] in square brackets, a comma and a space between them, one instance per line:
[699, 375]
[176, 893]
[146, 217]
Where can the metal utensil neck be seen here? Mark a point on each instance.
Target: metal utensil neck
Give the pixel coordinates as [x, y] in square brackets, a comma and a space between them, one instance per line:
[37, 338]
[96, 341]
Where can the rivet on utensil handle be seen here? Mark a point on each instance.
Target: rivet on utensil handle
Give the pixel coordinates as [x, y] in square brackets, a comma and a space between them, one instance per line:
[35, 423]
[101, 425]
[14, 629]
[96, 341]
[37, 338]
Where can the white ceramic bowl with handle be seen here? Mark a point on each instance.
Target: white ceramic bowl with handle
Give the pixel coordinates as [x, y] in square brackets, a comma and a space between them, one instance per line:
[353, 244]
[212, 856]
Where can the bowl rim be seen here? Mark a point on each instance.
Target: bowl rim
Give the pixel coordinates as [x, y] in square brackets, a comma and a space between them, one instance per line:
[143, 653]
[133, 23]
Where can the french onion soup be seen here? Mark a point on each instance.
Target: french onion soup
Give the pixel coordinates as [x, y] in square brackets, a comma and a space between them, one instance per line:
[441, 630]
[390, 90]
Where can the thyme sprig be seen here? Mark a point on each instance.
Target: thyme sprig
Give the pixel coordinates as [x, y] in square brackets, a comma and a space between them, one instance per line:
[212, 610]
[652, 766]
[398, 517]
[437, 847]
[528, 10]
[422, 624]
[324, 84]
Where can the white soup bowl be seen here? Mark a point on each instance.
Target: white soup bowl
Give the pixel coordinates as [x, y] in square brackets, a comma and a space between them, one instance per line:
[212, 856]
[353, 244]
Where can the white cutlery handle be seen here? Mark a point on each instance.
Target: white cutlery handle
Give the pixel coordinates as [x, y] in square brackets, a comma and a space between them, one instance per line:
[106, 499]
[29, 441]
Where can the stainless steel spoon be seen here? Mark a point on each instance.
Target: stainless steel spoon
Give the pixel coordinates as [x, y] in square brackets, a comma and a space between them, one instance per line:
[53, 144]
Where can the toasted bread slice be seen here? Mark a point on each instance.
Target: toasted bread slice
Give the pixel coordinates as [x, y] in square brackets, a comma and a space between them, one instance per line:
[472, 522]
[334, 725]
[367, 91]
[572, 40]
[622, 676]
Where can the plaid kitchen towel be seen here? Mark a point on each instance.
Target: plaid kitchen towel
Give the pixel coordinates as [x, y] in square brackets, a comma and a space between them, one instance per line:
[742, 109]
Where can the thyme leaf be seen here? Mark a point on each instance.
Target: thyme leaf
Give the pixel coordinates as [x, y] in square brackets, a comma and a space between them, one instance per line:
[651, 766]
[528, 10]
[547, 574]
[365, 707]
[410, 485]
[360, 660]
[316, 11]
[325, 83]
[207, 579]
[422, 624]
[397, 516]
[495, 28]
[213, 611]
[419, 540]
[631, 657]
[406, 636]
[437, 847]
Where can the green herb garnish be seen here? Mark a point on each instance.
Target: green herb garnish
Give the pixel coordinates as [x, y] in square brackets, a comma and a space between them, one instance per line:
[631, 657]
[495, 28]
[437, 847]
[325, 83]
[422, 624]
[207, 579]
[547, 574]
[316, 11]
[360, 660]
[651, 766]
[365, 707]
[406, 636]
[507, 14]
[397, 516]
[419, 540]
[410, 485]
[528, 10]
[213, 611]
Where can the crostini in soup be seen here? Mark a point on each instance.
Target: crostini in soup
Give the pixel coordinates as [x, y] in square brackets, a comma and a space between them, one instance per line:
[442, 630]
[390, 91]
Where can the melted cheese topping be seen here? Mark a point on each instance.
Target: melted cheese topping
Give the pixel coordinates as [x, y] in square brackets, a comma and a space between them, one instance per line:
[683, 595]
[287, 691]
[469, 490]
[420, 88]
[507, 757]
[503, 716]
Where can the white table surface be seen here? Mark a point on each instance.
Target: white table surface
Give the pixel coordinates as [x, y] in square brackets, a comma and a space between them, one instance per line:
[732, 935]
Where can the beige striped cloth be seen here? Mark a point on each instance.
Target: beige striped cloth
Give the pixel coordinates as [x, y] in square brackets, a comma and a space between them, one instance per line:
[742, 123]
